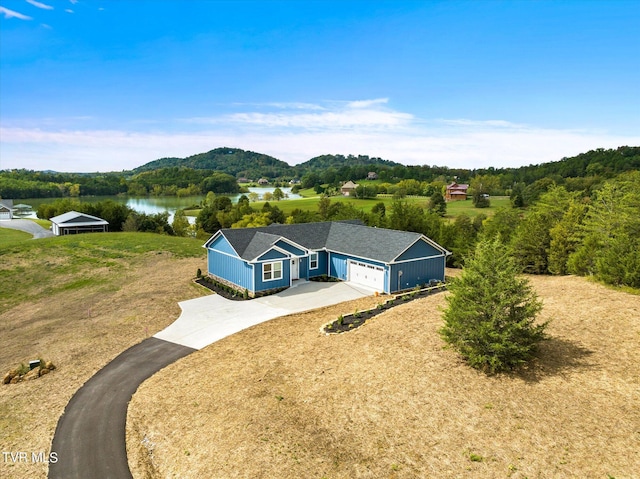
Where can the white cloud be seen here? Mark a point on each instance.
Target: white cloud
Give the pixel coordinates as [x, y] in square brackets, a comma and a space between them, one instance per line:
[348, 119]
[333, 116]
[39, 5]
[100, 150]
[297, 133]
[367, 103]
[11, 14]
[73, 1]
[68, 10]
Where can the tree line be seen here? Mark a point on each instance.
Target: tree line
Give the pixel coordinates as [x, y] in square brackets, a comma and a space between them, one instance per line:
[218, 171]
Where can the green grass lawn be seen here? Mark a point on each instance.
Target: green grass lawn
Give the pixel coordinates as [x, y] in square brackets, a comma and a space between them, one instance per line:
[9, 237]
[65, 261]
[456, 208]
[46, 224]
[310, 203]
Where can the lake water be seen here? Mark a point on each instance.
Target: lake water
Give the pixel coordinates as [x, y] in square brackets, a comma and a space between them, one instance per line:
[153, 204]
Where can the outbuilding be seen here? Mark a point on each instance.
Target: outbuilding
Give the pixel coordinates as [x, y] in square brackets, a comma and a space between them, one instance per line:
[273, 257]
[6, 209]
[72, 222]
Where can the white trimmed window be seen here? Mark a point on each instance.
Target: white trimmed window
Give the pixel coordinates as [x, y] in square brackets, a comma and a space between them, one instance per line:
[272, 271]
[313, 261]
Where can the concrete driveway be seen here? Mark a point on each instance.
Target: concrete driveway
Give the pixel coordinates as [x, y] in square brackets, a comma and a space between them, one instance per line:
[27, 226]
[206, 320]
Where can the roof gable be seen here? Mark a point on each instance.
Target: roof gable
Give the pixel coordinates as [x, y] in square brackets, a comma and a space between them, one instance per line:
[458, 186]
[75, 218]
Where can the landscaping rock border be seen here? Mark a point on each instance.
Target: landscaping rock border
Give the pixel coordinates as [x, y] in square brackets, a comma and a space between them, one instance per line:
[349, 322]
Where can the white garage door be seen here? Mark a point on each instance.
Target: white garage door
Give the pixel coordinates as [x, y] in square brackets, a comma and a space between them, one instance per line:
[5, 215]
[367, 275]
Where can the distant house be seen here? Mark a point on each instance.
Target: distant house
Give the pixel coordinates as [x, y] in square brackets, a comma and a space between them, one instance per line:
[244, 180]
[372, 175]
[349, 188]
[294, 181]
[72, 223]
[263, 181]
[272, 257]
[6, 209]
[456, 191]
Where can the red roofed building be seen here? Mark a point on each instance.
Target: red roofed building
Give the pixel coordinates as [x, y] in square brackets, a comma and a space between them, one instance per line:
[456, 191]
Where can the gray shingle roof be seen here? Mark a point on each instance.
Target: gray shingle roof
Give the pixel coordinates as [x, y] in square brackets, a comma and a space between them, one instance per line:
[366, 242]
[352, 238]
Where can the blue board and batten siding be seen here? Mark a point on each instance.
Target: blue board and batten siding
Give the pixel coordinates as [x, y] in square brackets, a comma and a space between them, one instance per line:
[323, 265]
[419, 249]
[290, 248]
[224, 263]
[262, 285]
[416, 272]
[418, 265]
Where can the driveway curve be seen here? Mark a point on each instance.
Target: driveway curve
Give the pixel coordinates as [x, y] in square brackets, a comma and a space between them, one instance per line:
[27, 226]
[90, 436]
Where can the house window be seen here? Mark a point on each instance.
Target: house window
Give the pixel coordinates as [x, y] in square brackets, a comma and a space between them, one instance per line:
[313, 261]
[272, 271]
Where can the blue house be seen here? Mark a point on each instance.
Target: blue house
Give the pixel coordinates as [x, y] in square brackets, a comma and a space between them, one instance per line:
[273, 257]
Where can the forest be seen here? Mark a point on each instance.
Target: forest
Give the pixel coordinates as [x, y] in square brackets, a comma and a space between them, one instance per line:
[218, 171]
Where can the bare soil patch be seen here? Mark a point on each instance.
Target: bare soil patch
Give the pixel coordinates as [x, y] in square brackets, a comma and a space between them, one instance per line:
[389, 400]
[80, 330]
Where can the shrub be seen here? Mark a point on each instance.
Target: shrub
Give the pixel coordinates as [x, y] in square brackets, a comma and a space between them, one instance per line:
[491, 312]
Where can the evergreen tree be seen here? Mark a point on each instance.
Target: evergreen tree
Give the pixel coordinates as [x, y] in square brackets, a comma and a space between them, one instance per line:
[490, 318]
[437, 204]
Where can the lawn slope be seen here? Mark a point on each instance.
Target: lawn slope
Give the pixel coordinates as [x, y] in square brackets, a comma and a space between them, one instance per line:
[388, 400]
[78, 301]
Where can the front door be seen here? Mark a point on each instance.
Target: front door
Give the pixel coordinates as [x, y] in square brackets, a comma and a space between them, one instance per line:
[295, 268]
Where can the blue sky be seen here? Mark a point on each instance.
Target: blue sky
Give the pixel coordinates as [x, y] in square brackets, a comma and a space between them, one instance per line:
[110, 85]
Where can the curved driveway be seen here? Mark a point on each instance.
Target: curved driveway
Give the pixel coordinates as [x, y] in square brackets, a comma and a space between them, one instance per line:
[27, 226]
[90, 437]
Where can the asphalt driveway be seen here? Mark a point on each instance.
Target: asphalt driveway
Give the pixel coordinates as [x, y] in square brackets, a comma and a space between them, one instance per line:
[208, 319]
[27, 226]
[90, 437]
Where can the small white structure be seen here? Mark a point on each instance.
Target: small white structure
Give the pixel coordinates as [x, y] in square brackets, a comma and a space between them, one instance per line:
[72, 223]
[6, 209]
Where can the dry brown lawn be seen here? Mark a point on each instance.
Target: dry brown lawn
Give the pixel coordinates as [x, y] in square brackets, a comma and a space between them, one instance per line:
[387, 400]
[80, 330]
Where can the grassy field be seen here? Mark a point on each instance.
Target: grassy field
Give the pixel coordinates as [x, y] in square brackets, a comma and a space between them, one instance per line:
[9, 237]
[454, 208]
[389, 400]
[79, 301]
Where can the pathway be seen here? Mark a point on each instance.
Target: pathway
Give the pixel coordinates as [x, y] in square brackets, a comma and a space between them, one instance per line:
[90, 437]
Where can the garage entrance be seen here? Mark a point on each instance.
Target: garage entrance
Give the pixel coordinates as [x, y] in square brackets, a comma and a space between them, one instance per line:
[367, 275]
